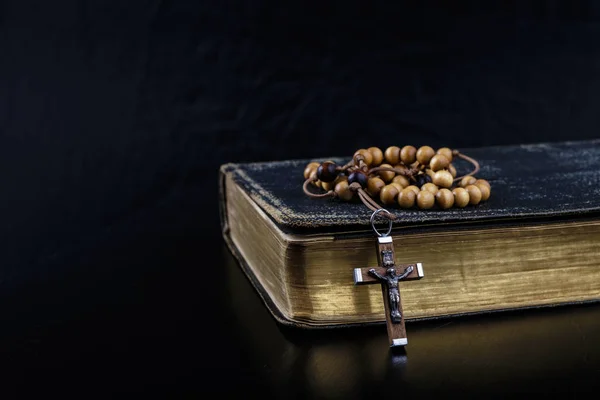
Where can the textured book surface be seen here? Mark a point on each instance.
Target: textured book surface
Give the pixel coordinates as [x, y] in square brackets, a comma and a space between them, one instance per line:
[535, 242]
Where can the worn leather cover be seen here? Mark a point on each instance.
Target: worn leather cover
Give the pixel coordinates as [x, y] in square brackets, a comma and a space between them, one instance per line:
[538, 183]
[530, 183]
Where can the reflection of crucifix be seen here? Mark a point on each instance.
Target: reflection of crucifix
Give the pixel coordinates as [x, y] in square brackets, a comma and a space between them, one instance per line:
[388, 274]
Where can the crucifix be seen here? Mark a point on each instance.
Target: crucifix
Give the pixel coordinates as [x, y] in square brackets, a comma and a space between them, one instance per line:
[388, 274]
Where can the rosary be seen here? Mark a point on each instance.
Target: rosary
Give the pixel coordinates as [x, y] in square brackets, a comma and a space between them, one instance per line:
[404, 177]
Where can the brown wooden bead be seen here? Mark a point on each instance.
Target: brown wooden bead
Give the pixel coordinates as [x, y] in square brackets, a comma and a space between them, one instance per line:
[452, 170]
[414, 189]
[430, 187]
[425, 199]
[430, 172]
[327, 172]
[485, 190]
[401, 180]
[444, 198]
[317, 183]
[366, 155]
[408, 155]
[446, 152]
[438, 162]
[467, 180]
[388, 194]
[461, 197]
[406, 198]
[310, 168]
[358, 176]
[424, 154]
[397, 185]
[387, 176]
[374, 186]
[392, 155]
[443, 178]
[474, 194]
[331, 185]
[482, 181]
[342, 190]
[377, 155]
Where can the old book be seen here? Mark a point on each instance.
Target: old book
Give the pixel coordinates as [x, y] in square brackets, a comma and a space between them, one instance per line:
[534, 243]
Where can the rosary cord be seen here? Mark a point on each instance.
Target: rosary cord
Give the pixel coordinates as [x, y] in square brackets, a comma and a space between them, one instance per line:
[329, 193]
[368, 200]
[469, 159]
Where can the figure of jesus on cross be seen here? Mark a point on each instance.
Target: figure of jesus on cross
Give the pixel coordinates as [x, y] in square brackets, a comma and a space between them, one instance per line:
[387, 275]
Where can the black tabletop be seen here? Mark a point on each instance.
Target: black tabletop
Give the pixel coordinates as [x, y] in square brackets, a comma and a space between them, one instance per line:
[115, 280]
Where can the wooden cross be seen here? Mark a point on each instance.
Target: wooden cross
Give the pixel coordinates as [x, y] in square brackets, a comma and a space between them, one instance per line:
[388, 273]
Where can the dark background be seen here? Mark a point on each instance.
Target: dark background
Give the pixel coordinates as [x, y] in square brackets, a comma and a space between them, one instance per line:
[114, 119]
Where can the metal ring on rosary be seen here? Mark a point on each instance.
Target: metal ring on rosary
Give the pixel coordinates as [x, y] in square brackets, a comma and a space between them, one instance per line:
[373, 222]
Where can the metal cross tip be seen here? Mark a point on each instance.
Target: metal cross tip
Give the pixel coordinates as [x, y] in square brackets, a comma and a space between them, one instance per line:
[373, 222]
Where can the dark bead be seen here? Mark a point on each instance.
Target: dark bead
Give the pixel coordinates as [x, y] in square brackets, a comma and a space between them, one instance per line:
[327, 172]
[428, 178]
[358, 176]
[420, 180]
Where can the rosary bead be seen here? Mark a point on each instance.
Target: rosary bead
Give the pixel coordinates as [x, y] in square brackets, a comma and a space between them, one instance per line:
[310, 168]
[438, 162]
[452, 170]
[392, 155]
[387, 176]
[430, 187]
[461, 197]
[327, 172]
[377, 155]
[443, 178]
[331, 185]
[446, 152]
[424, 154]
[358, 176]
[444, 198]
[414, 189]
[425, 199]
[374, 186]
[388, 194]
[485, 191]
[467, 180]
[474, 194]
[366, 155]
[342, 190]
[406, 198]
[483, 181]
[429, 173]
[408, 155]
[401, 180]
[397, 186]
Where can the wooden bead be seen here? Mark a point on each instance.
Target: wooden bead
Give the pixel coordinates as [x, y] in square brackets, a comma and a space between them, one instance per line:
[387, 176]
[485, 190]
[443, 178]
[401, 180]
[366, 155]
[438, 162]
[310, 168]
[430, 187]
[452, 170]
[377, 155]
[397, 185]
[388, 194]
[331, 185]
[482, 181]
[327, 172]
[408, 155]
[430, 173]
[461, 197]
[358, 176]
[446, 152]
[374, 186]
[444, 198]
[425, 199]
[342, 190]
[467, 180]
[406, 198]
[414, 189]
[424, 154]
[392, 155]
[474, 194]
